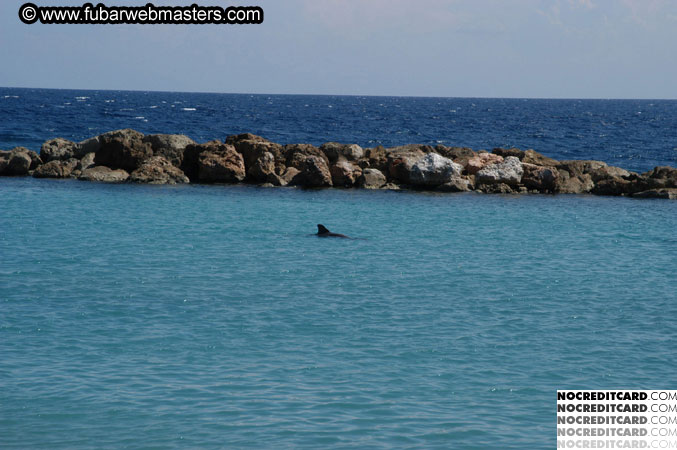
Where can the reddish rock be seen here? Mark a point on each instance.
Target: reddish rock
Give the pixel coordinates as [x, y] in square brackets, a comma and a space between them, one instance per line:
[345, 173]
[56, 169]
[480, 161]
[158, 170]
[221, 164]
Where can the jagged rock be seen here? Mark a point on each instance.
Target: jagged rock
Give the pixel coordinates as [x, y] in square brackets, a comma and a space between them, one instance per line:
[607, 172]
[575, 176]
[533, 157]
[86, 162]
[375, 158]
[171, 146]
[296, 155]
[288, 175]
[664, 193]
[497, 188]
[91, 145]
[459, 155]
[314, 172]
[391, 187]
[508, 172]
[345, 173]
[191, 156]
[580, 167]
[480, 161]
[254, 153]
[434, 170]
[567, 184]
[122, 149]
[371, 179]
[104, 174]
[58, 149]
[661, 177]
[221, 164]
[16, 162]
[457, 184]
[234, 139]
[336, 151]
[158, 170]
[614, 186]
[400, 162]
[540, 178]
[263, 169]
[526, 156]
[56, 169]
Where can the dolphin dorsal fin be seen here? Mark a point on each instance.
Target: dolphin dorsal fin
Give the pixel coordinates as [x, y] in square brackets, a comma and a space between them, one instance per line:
[321, 229]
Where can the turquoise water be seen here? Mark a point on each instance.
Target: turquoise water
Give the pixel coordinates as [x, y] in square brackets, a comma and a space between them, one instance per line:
[206, 316]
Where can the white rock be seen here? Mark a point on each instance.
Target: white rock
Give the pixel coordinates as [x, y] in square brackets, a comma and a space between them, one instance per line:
[434, 170]
[509, 172]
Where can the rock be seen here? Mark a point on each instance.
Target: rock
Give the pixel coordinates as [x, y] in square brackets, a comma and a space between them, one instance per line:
[505, 152]
[336, 151]
[567, 184]
[56, 169]
[289, 174]
[36, 161]
[580, 167]
[158, 170]
[459, 155]
[434, 170]
[371, 179]
[58, 149]
[234, 139]
[391, 187]
[104, 174]
[457, 184]
[614, 186]
[86, 162]
[540, 178]
[221, 164]
[263, 169]
[375, 158]
[508, 172]
[314, 172]
[575, 176]
[606, 172]
[171, 146]
[296, 155]
[480, 161]
[91, 145]
[532, 157]
[526, 156]
[122, 149]
[257, 163]
[345, 173]
[16, 162]
[191, 157]
[497, 188]
[661, 177]
[400, 162]
[664, 193]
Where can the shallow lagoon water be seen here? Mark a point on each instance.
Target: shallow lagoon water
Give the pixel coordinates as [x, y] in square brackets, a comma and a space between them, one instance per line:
[207, 316]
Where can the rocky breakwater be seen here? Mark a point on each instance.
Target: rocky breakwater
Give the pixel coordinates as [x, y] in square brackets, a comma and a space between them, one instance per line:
[129, 156]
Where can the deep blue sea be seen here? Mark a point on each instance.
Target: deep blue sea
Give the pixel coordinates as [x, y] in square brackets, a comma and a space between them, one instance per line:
[634, 134]
[136, 316]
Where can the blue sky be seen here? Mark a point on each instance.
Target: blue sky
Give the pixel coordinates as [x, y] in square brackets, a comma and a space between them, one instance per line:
[451, 48]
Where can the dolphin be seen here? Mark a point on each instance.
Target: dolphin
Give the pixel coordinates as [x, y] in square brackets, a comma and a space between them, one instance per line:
[323, 232]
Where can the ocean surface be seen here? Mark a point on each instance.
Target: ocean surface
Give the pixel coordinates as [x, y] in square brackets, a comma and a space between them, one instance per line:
[135, 316]
[634, 134]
